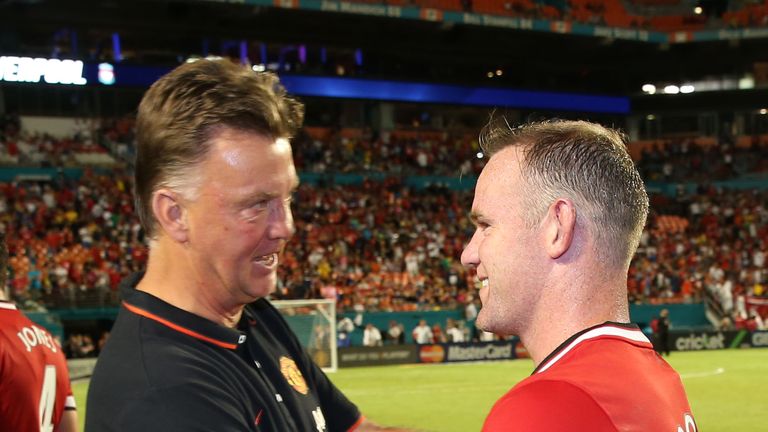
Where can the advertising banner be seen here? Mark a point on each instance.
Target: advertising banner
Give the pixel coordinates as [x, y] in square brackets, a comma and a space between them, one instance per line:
[480, 351]
[514, 349]
[705, 340]
[376, 356]
[759, 339]
[459, 352]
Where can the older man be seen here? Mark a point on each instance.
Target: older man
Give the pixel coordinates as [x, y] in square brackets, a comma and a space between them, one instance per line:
[196, 346]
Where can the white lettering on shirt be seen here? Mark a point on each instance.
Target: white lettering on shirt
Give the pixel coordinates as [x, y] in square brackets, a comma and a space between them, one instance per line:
[690, 425]
[319, 420]
[34, 336]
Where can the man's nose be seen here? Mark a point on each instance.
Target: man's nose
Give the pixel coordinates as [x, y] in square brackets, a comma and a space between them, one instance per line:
[469, 257]
[281, 222]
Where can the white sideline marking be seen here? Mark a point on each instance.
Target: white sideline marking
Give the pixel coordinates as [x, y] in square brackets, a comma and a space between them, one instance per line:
[717, 371]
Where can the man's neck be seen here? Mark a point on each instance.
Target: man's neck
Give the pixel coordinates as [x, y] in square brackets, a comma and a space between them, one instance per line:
[180, 288]
[173, 295]
[549, 332]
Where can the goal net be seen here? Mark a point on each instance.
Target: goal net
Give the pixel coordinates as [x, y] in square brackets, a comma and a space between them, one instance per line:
[314, 323]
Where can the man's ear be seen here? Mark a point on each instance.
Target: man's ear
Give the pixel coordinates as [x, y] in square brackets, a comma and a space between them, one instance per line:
[170, 214]
[559, 227]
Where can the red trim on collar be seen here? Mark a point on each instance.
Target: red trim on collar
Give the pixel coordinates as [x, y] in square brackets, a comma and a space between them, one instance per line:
[178, 328]
[356, 425]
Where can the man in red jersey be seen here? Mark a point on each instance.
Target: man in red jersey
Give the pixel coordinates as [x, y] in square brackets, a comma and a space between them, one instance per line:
[35, 393]
[559, 209]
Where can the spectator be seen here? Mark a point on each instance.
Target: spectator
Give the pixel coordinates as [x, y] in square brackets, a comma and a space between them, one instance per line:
[422, 334]
[395, 333]
[470, 311]
[371, 336]
[319, 346]
[437, 334]
[344, 329]
[661, 332]
[453, 332]
[103, 340]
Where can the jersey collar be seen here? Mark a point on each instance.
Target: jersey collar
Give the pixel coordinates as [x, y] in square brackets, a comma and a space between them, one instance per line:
[150, 307]
[7, 305]
[628, 332]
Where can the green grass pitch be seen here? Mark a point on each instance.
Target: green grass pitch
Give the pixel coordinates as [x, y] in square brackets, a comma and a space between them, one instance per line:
[726, 388]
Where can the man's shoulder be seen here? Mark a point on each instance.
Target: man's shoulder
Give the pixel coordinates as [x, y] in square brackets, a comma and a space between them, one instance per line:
[25, 338]
[534, 392]
[143, 366]
[593, 366]
[176, 406]
[585, 380]
[136, 357]
[11, 318]
[155, 352]
[547, 405]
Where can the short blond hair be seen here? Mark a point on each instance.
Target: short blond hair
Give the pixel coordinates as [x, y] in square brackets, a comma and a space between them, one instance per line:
[587, 163]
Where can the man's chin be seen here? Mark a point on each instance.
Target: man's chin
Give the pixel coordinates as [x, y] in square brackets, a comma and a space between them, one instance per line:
[264, 283]
[259, 290]
[264, 292]
[482, 323]
[487, 324]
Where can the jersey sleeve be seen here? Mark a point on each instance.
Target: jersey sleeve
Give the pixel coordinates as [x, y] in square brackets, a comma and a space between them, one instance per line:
[547, 406]
[341, 414]
[64, 390]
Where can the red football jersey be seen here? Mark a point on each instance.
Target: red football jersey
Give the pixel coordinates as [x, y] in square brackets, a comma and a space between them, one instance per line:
[34, 381]
[606, 378]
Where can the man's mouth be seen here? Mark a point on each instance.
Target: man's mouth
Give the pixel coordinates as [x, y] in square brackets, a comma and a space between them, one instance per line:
[268, 260]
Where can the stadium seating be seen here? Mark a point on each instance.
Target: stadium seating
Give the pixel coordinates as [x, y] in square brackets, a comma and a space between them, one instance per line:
[658, 15]
[378, 244]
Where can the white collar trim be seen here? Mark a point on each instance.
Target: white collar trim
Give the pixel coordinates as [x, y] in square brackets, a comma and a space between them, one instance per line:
[608, 330]
[7, 305]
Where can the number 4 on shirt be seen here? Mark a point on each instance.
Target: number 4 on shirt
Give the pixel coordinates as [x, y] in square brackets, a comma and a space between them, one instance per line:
[47, 399]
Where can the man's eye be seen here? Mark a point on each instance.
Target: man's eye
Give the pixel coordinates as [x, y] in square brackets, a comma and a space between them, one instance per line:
[255, 208]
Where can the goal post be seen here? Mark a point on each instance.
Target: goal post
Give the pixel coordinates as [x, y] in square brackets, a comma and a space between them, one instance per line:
[314, 323]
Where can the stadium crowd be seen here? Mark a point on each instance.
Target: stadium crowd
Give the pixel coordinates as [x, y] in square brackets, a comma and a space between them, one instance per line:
[71, 241]
[381, 245]
[658, 15]
[707, 239]
[393, 154]
[683, 160]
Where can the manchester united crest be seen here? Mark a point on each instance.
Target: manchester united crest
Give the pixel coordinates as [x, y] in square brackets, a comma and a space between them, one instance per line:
[293, 375]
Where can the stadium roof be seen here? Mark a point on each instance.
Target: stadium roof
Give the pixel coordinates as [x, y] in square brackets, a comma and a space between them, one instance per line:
[165, 32]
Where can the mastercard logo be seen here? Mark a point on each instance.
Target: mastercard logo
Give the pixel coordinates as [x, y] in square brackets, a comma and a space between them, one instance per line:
[431, 354]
